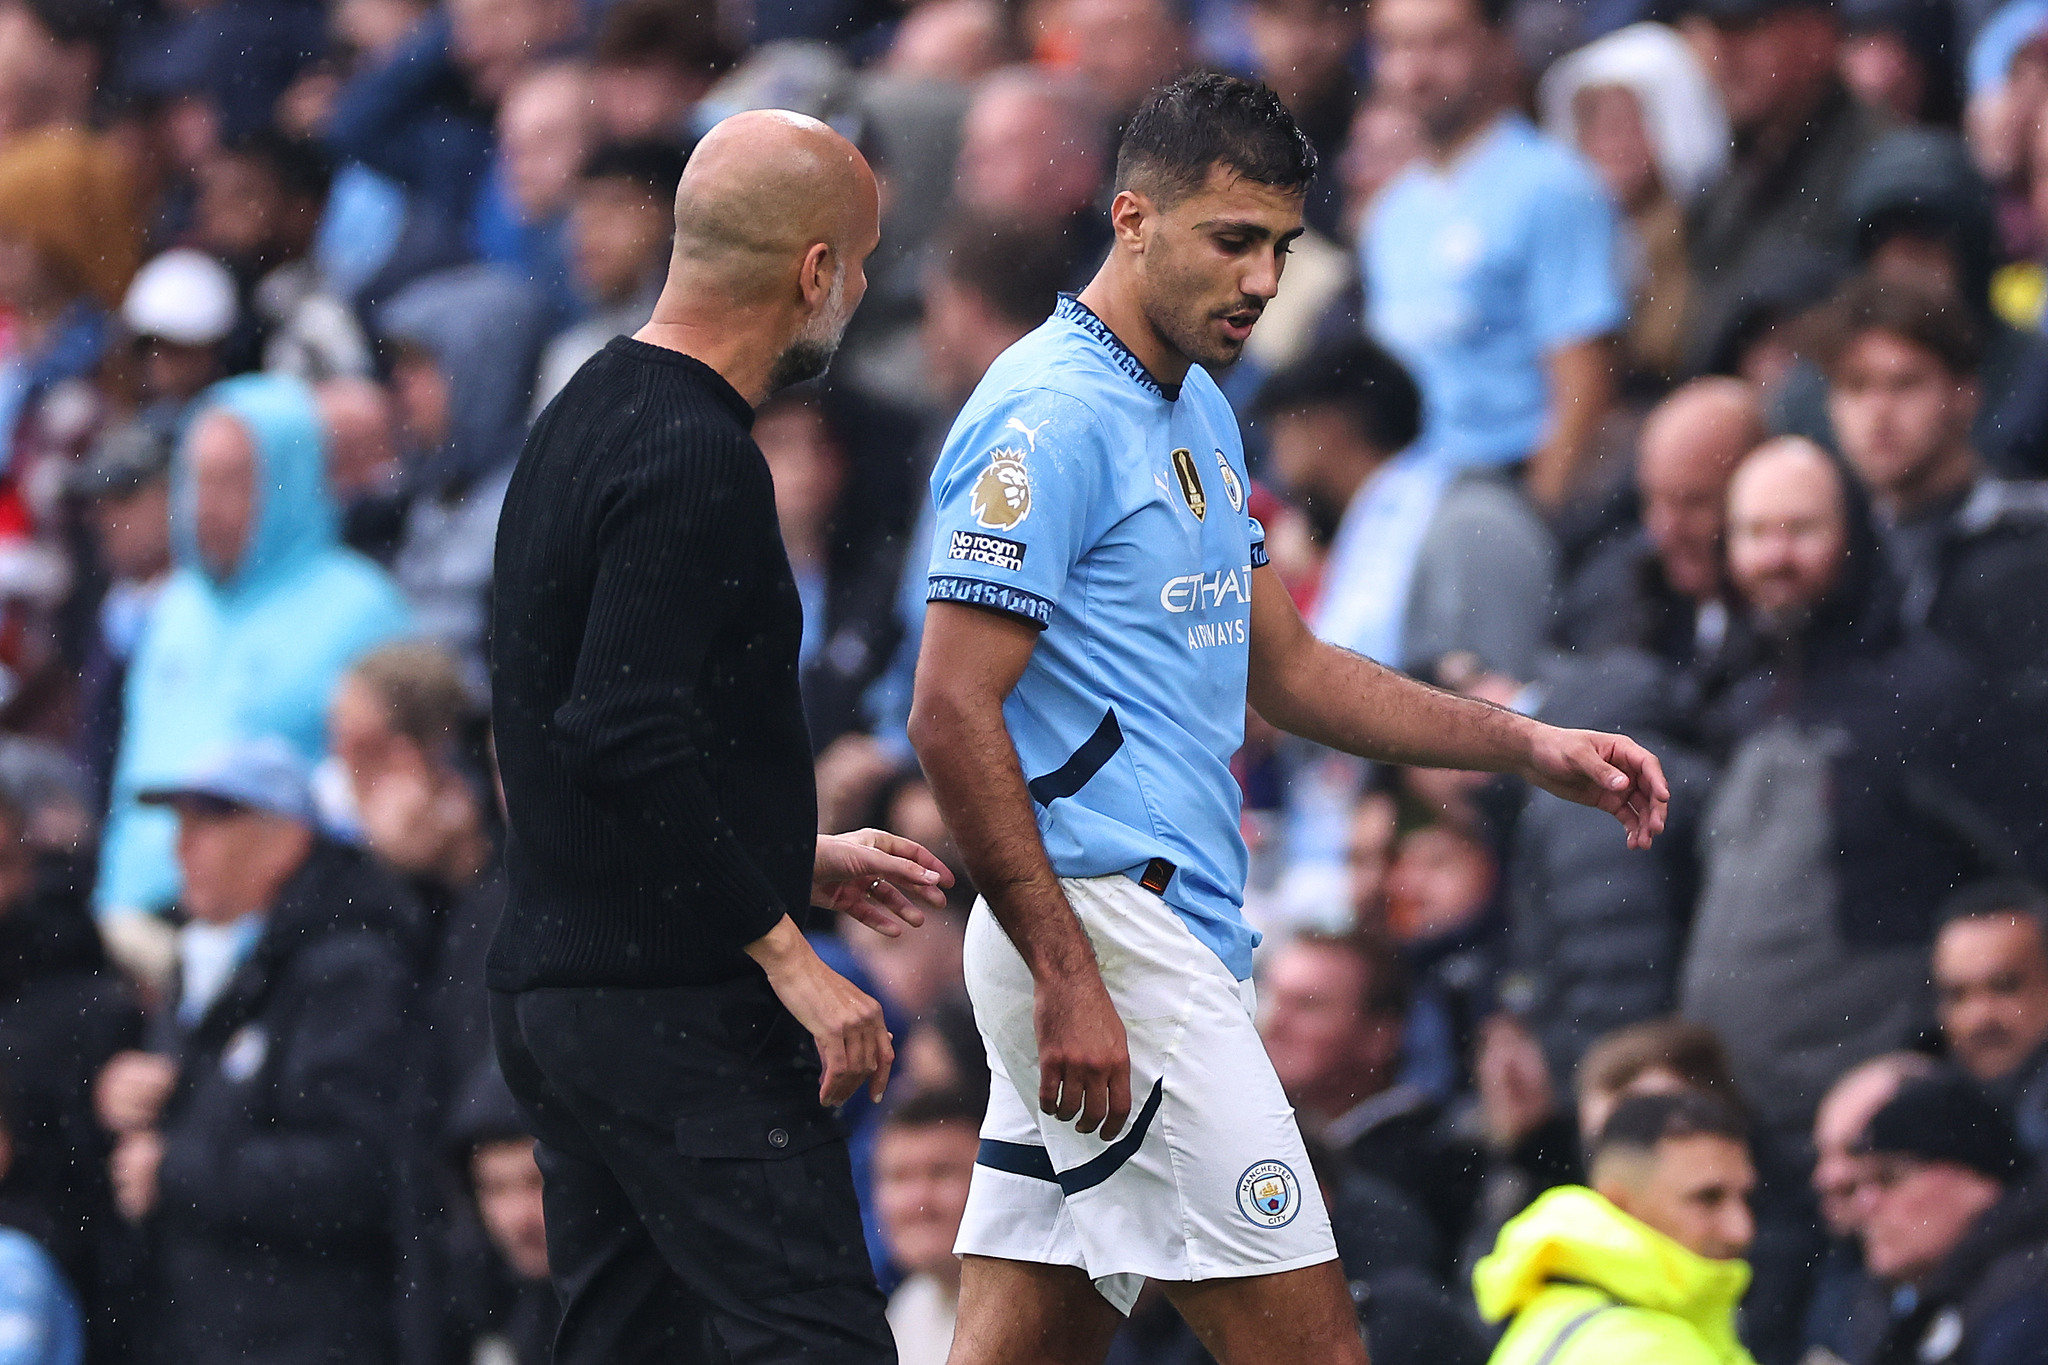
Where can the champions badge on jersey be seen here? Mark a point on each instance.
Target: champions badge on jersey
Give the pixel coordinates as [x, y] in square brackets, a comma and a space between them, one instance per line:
[1268, 1195]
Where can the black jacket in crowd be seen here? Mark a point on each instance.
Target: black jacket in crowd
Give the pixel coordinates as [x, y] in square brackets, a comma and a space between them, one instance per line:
[63, 1013]
[274, 1232]
[1987, 1304]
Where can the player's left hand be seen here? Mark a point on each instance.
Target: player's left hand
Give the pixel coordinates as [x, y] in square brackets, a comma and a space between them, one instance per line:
[879, 878]
[1612, 772]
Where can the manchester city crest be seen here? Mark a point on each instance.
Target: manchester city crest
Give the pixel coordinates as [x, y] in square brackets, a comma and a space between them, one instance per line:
[1269, 1195]
[1232, 488]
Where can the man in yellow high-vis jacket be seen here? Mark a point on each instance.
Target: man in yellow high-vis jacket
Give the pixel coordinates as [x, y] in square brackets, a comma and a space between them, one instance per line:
[1645, 1268]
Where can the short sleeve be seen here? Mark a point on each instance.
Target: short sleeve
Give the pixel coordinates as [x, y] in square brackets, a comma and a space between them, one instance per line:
[1574, 280]
[1258, 533]
[1015, 496]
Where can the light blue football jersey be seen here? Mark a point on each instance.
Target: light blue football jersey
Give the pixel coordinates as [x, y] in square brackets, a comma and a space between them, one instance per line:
[1076, 492]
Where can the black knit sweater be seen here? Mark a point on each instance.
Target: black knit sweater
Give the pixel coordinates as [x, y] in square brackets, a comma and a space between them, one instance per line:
[644, 677]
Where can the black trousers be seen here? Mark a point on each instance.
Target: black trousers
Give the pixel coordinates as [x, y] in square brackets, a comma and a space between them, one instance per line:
[700, 1206]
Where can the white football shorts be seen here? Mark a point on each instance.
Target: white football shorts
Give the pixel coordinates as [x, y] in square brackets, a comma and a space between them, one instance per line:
[1209, 1178]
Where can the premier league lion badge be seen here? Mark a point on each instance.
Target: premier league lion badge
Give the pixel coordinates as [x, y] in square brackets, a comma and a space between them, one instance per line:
[1002, 495]
[1268, 1195]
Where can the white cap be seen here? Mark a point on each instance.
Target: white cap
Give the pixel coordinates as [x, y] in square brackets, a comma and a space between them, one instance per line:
[183, 296]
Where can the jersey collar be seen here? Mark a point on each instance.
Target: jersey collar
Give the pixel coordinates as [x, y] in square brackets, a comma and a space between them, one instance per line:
[1071, 309]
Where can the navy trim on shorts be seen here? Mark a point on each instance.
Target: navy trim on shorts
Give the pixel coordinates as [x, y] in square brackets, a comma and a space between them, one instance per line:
[1018, 1158]
[1024, 1158]
[1087, 761]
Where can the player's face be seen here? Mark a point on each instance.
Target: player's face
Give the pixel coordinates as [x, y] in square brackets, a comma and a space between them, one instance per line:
[1212, 263]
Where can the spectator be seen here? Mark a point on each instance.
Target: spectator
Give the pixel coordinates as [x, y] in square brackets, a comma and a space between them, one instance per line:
[63, 1014]
[363, 473]
[1476, 565]
[40, 1322]
[1304, 51]
[1808, 950]
[619, 229]
[1490, 264]
[1922, 221]
[1835, 1312]
[1663, 589]
[1639, 106]
[1596, 933]
[259, 206]
[923, 1158]
[1333, 1018]
[422, 116]
[1122, 49]
[1660, 1057]
[1033, 149]
[1899, 57]
[467, 342]
[652, 61]
[1798, 137]
[52, 58]
[260, 1143]
[181, 310]
[1646, 1265]
[70, 244]
[1953, 1228]
[1991, 992]
[402, 726]
[545, 131]
[1902, 370]
[950, 41]
[258, 564]
[490, 1144]
[126, 483]
[1423, 560]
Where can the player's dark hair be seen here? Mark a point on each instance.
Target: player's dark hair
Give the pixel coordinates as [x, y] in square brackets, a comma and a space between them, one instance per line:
[928, 1108]
[1358, 376]
[655, 166]
[1206, 120]
[1016, 267]
[1996, 898]
[1914, 314]
[1642, 1121]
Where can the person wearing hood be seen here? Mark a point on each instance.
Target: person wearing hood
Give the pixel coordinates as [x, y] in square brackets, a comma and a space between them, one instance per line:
[467, 343]
[1639, 106]
[259, 1142]
[1858, 791]
[1645, 1267]
[1955, 1233]
[259, 619]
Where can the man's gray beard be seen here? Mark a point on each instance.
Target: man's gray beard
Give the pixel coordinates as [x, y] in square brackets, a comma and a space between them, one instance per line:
[803, 360]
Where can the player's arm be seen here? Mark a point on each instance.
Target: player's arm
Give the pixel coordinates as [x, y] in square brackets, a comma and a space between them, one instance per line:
[1346, 701]
[971, 659]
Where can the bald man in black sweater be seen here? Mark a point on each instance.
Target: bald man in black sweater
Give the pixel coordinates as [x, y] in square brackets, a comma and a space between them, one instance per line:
[658, 1013]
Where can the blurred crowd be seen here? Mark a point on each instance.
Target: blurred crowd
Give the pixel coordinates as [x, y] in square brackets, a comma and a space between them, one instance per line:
[1669, 366]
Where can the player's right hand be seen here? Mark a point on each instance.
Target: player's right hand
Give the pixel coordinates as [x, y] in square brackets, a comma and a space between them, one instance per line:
[845, 1021]
[1084, 1059]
